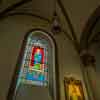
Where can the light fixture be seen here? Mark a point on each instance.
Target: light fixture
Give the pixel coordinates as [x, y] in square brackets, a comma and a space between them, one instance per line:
[55, 26]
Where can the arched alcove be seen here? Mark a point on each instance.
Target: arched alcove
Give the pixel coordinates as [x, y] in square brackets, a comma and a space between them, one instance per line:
[89, 44]
[35, 70]
[88, 34]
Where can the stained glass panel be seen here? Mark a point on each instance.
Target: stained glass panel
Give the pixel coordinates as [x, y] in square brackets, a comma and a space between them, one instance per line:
[34, 66]
[37, 58]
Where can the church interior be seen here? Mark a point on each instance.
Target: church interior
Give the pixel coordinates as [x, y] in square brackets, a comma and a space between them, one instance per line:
[49, 49]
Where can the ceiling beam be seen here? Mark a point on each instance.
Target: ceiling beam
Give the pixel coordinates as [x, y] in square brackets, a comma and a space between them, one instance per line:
[87, 31]
[26, 14]
[76, 43]
[14, 6]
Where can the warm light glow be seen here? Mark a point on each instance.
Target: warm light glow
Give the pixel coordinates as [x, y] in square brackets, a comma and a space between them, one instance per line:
[74, 90]
[38, 50]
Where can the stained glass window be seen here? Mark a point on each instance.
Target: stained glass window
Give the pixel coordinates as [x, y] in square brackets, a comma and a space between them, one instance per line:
[34, 68]
[36, 65]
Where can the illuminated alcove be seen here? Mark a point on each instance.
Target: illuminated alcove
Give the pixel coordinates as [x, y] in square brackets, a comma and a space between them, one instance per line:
[35, 73]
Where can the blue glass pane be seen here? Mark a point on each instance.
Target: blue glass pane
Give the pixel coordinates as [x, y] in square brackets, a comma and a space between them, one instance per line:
[36, 76]
[37, 58]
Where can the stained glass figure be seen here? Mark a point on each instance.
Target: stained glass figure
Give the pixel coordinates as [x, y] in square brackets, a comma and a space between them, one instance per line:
[37, 58]
[37, 71]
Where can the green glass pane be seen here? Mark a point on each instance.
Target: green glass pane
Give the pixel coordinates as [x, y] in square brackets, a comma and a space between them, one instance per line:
[37, 66]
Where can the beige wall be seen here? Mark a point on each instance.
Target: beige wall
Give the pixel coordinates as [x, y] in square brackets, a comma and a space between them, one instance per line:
[12, 32]
[69, 63]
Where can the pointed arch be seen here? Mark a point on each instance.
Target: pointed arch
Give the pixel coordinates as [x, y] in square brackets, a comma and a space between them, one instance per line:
[87, 33]
[36, 63]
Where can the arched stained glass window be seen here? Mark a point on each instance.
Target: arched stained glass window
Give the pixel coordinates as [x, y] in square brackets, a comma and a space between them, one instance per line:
[37, 63]
[34, 67]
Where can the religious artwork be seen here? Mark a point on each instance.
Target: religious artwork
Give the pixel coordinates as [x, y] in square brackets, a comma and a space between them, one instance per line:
[37, 58]
[34, 68]
[37, 68]
[73, 89]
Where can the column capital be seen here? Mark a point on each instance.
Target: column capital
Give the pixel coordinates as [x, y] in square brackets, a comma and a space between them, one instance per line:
[87, 58]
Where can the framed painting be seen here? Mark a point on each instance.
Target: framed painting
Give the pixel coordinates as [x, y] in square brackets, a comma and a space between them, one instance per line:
[73, 89]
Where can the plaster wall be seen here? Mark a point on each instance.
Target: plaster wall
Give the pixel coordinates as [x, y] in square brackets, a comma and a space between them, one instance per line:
[12, 32]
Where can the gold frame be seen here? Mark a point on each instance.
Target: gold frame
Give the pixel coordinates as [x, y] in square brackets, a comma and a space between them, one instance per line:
[73, 89]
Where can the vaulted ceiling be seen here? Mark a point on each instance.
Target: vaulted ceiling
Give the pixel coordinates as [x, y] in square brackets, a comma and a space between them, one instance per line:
[77, 12]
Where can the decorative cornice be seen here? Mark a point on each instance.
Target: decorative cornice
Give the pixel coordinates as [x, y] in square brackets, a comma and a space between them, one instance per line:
[87, 58]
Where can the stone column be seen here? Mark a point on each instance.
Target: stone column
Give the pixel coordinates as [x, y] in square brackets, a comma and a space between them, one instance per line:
[88, 61]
